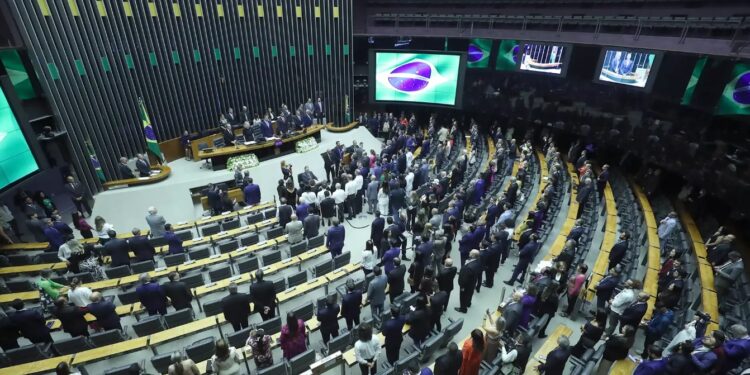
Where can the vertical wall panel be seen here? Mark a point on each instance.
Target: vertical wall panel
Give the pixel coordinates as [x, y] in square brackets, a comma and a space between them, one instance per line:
[112, 42]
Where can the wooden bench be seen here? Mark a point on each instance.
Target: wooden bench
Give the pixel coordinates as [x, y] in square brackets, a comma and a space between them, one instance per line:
[610, 237]
[163, 172]
[549, 345]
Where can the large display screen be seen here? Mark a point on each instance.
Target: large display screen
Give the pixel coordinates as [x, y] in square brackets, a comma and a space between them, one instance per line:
[16, 159]
[507, 55]
[545, 58]
[420, 77]
[628, 67]
[478, 53]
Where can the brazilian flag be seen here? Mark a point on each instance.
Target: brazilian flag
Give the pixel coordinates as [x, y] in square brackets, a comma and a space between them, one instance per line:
[95, 162]
[736, 97]
[478, 54]
[148, 131]
[687, 96]
[507, 55]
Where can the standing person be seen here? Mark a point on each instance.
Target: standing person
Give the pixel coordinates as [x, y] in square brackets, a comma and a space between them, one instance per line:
[591, 333]
[285, 213]
[728, 273]
[177, 292]
[368, 257]
[367, 350]
[263, 296]
[82, 225]
[30, 323]
[575, 285]
[618, 250]
[141, 246]
[261, 345]
[376, 231]
[467, 280]
[548, 303]
[54, 237]
[152, 295]
[372, 195]
[620, 302]
[445, 278]
[634, 313]
[525, 258]
[71, 317]
[174, 243]
[182, 366]
[50, 288]
[294, 230]
[392, 330]
[328, 316]
[557, 358]
[493, 331]
[615, 348]
[473, 351]
[665, 230]
[335, 238]
[79, 295]
[420, 321]
[155, 222]
[118, 250]
[236, 308]
[251, 193]
[515, 358]
[376, 294]
[78, 195]
[584, 192]
[104, 311]
[396, 279]
[293, 337]
[606, 287]
[450, 362]
[657, 326]
[351, 305]
[311, 224]
[226, 360]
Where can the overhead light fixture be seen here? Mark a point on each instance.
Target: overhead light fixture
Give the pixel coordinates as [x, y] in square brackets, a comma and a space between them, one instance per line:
[403, 41]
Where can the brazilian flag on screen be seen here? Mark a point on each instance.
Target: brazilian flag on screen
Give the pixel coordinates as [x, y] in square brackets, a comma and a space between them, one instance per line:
[478, 53]
[687, 96]
[95, 162]
[148, 131]
[736, 97]
[507, 55]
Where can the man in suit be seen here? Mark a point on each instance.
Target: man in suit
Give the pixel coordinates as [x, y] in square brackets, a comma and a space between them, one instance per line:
[372, 195]
[397, 200]
[376, 231]
[492, 261]
[557, 358]
[228, 135]
[78, 195]
[584, 192]
[31, 323]
[307, 178]
[438, 304]
[155, 222]
[54, 237]
[252, 193]
[36, 226]
[104, 311]
[312, 224]
[174, 243]
[634, 313]
[247, 132]
[327, 207]
[606, 287]
[728, 273]
[213, 195]
[388, 259]
[118, 250]
[328, 316]
[285, 213]
[445, 279]
[396, 279]
[335, 238]
[294, 231]
[576, 232]
[263, 295]
[71, 318]
[328, 164]
[236, 308]
[351, 305]
[142, 165]
[493, 212]
[467, 280]
[525, 258]
[466, 244]
[376, 294]
[178, 293]
[618, 250]
[141, 247]
[450, 362]
[124, 170]
[319, 111]
[152, 295]
[392, 330]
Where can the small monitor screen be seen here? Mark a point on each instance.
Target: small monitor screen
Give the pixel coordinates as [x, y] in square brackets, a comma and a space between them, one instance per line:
[545, 58]
[624, 67]
[507, 55]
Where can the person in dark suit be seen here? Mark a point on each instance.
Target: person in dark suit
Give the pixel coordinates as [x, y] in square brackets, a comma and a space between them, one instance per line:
[576, 232]
[236, 308]
[335, 238]
[71, 317]
[307, 178]
[396, 279]
[467, 280]
[252, 193]
[376, 230]
[450, 362]
[618, 250]
[78, 195]
[525, 258]
[634, 313]
[392, 332]
[177, 292]
[228, 135]
[213, 195]
[152, 295]
[512, 313]
[285, 213]
[263, 295]
[104, 311]
[141, 247]
[584, 192]
[247, 131]
[8, 333]
[118, 250]
[351, 304]
[174, 243]
[31, 323]
[606, 287]
[397, 200]
[142, 165]
[420, 321]
[445, 279]
[557, 358]
[319, 111]
[327, 207]
[311, 224]
[328, 316]
[123, 169]
[438, 304]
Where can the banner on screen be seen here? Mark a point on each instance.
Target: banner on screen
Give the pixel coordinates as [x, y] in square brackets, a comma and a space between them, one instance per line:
[545, 58]
[478, 53]
[687, 96]
[735, 100]
[507, 55]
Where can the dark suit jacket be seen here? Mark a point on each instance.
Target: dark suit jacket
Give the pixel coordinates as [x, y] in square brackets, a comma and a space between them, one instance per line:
[633, 314]
[105, 313]
[263, 294]
[285, 214]
[228, 136]
[445, 278]
[512, 315]
[351, 304]
[467, 277]
[328, 207]
[75, 189]
[617, 252]
[252, 194]
[575, 233]
[179, 294]
[420, 323]
[73, 321]
[376, 230]
[328, 317]
[32, 325]
[335, 238]
[448, 364]
[144, 169]
[125, 171]
[152, 297]
[396, 280]
[437, 303]
[142, 248]
[236, 307]
[555, 363]
[174, 242]
[311, 226]
[118, 249]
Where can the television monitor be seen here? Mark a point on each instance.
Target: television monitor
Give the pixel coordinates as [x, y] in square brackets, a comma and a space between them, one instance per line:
[478, 53]
[634, 68]
[507, 55]
[545, 58]
[417, 77]
[16, 159]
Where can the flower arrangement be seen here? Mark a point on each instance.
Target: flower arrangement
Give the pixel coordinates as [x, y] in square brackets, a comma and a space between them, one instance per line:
[305, 145]
[245, 161]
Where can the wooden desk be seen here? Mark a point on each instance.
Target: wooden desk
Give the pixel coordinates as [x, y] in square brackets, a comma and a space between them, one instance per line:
[623, 367]
[192, 327]
[549, 345]
[164, 172]
[131, 345]
[226, 151]
[36, 366]
[232, 193]
[39, 246]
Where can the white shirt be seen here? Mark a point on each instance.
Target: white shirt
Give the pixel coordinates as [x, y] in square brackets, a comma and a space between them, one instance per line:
[351, 188]
[309, 197]
[510, 233]
[358, 181]
[368, 260]
[5, 214]
[409, 182]
[103, 233]
[321, 195]
[409, 159]
[63, 252]
[367, 351]
[622, 300]
[80, 296]
[339, 196]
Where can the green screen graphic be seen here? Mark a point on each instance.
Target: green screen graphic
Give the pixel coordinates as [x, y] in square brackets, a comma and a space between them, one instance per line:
[478, 53]
[507, 55]
[417, 77]
[687, 96]
[11, 60]
[16, 160]
[736, 97]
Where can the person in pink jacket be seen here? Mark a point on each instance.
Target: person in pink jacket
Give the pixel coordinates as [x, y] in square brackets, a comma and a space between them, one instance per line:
[575, 284]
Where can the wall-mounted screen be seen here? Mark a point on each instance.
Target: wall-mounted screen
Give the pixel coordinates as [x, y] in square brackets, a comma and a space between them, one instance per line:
[16, 159]
[507, 55]
[478, 53]
[420, 77]
[628, 67]
[545, 58]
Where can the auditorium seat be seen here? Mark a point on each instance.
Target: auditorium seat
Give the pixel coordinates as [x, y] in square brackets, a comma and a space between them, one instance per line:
[71, 345]
[84, 277]
[161, 362]
[269, 214]
[201, 350]
[117, 272]
[279, 285]
[220, 273]
[148, 325]
[274, 232]
[271, 326]
[128, 297]
[46, 258]
[193, 281]
[277, 369]
[297, 278]
[19, 259]
[17, 286]
[200, 252]
[248, 239]
[109, 337]
[133, 368]
[184, 235]
[254, 218]
[342, 260]
[248, 264]
[323, 268]
[28, 353]
[178, 318]
[230, 224]
[212, 307]
[297, 249]
[271, 258]
[141, 267]
[305, 312]
[301, 362]
[239, 338]
[228, 246]
[210, 230]
[174, 259]
[316, 241]
[339, 343]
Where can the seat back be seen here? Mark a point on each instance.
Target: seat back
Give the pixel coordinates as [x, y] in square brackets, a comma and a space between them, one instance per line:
[178, 318]
[212, 307]
[148, 326]
[271, 258]
[128, 297]
[297, 249]
[28, 353]
[117, 272]
[339, 343]
[405, 362]
[277, 369]
[249, 239]
[323, 268]
[342, 260]
[316, 241]
[210, 230]
[274, 232]
[193, 281]
[297, 278]
[254, 218]
[174, 259]
[85, 277]
[133, 368]
[158, 241]
[201, 350]
[279, 285]
[71, 345]
[452, 330]
[141, 267]
[271, 326]
[219, 143]
[221, 273]
[431, 345]
[200, 252]
[228, 246]
[239, 338]
[230, 224]
[184, 235]
[46, 257]
[269, 214]
[19, 259]
[16, 286]
[161, 362]
[105, 338]
[302, 362]
[248, 264]
[305, 312]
